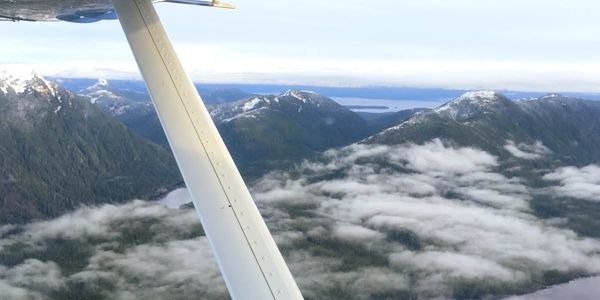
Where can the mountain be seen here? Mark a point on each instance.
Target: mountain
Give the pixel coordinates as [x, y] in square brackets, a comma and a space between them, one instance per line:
[267, 132]
[387, 120]
[223, 95]
[136, 90]
[569, 127]
[126, 105]
[135, 109]
[132, 108]
[58, 151]
[481, 198]
[262, 132]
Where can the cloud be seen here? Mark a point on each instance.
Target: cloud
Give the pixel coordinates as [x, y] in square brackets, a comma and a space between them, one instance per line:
[360, 222]
[176, 198]
[454, 264]
[582, 183]
[177, 270]
[435, 157]
[446, 215]
[11, 292]
[356, 233]
[138, 250]
[527, 151]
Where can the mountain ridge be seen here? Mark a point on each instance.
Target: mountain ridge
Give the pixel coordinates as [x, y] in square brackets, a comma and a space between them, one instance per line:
[58, 151]
[566, 125]
[285, 128]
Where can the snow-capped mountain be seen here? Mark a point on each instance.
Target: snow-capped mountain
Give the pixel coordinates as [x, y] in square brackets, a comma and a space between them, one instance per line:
[257, 129]
[472, 104]
[270, 129]
[12, 83]
[21, 93]
[292, 102]
[568, 127]
[132, 108]
[58, 151]
[117, 102]
[101, 91]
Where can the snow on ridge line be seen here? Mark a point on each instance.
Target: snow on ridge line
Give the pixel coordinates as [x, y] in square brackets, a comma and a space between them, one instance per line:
[251, 104]
[101, 84]
[478, 97]
[298, 94]
[291, 91]
[16, 80]
[245, 114]
[19, 80]
[485, 94]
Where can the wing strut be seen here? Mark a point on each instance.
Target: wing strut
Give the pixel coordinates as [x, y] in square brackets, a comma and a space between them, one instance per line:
[247, 255]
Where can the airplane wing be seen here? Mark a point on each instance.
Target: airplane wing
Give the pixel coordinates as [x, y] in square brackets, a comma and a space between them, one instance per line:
[75, 11]
[251, 264]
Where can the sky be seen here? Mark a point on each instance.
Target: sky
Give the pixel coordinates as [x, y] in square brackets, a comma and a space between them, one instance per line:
[530, 45]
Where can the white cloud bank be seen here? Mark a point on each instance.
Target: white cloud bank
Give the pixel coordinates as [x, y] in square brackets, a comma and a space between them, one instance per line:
[527, 151]
[582, 183]
[138, 250]
[425, 220]
[448, 214]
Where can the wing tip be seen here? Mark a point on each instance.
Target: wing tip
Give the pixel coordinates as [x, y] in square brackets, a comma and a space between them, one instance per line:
[223, 5]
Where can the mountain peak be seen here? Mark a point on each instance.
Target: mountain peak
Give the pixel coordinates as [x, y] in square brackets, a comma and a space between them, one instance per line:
[20, 81]
[101, 91]
[303, 96]
[472, 103]
[482, 95]
[552, 96]
[102, 82]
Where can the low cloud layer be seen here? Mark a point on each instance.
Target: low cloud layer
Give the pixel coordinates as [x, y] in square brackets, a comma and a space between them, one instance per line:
[582, 183]
[527, 151]
[135, 251]
[364, 221]
[445, 215]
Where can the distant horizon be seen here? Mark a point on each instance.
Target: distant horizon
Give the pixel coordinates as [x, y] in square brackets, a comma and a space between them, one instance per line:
[366, 90]
[377, 90]
[320, 80]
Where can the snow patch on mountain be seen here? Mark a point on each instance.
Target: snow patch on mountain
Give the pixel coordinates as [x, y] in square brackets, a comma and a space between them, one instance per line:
[417, 118]
[49, 85]
[252, 103]
[101, 91]
[478, 97]
[15, 81]
[470, 103]
[114, 101]
[19, 81]
[484, 95]
[102, 82]
[249, 114]
[297, 94]
[551, 96]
